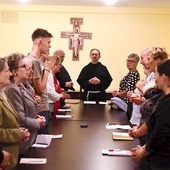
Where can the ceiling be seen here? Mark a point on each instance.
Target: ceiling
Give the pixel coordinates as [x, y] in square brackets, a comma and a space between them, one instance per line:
[120, 3]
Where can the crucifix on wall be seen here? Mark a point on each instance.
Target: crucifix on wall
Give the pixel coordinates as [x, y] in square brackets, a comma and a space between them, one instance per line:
[76, 37]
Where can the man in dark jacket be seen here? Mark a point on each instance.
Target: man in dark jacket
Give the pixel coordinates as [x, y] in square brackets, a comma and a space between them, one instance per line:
[94, 78]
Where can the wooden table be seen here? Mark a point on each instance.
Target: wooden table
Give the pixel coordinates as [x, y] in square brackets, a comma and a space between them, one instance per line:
[80, 148]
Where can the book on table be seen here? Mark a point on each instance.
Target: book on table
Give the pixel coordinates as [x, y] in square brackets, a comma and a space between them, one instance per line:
[121, 136]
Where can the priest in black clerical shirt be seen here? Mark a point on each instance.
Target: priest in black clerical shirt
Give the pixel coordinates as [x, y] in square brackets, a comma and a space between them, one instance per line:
[94, 79]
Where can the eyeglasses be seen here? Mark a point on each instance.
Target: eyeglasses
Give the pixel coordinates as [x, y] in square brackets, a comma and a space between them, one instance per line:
[23, 66]
[130, 61]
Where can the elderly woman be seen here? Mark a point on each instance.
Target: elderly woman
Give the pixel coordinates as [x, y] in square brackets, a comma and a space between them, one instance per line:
[22, 99]
[119, 99]
[10, 133]
[55, 93]
[157, 147]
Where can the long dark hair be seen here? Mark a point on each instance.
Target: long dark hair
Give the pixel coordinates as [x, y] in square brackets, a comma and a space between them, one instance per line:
[163, 67]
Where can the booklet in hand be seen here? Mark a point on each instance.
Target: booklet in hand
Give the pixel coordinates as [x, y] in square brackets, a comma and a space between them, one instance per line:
[42, 141]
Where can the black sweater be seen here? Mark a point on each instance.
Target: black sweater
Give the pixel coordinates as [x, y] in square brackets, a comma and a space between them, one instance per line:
[158, 136]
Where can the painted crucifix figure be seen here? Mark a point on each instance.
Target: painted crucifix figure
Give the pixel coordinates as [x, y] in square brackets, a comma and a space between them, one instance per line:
[76, 38]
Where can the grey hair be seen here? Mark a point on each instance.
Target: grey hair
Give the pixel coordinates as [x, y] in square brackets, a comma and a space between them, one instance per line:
[135, 56]
[58, 50]
[27, 60]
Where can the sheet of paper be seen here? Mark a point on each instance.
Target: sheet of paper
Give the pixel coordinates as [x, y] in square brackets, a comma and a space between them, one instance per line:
[118, 127]
[33, 161]
[64, 110]
[103, 103]
[42, 141]
[116, 152]
[57, 136]
[35, 145]
[89, 102]
[63, 116]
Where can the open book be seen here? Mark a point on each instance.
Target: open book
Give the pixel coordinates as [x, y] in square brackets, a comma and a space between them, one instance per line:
[121, 136]
[42, 141]
[116, 152]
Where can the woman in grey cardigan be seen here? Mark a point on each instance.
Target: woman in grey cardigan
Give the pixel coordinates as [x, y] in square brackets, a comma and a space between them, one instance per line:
[21, 96]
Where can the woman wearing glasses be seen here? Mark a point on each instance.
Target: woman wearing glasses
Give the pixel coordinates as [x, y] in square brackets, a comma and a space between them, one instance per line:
[10, 133]
[21, 98]
[119, 99]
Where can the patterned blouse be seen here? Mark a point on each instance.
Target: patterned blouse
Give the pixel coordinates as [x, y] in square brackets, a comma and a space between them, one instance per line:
[128, 83]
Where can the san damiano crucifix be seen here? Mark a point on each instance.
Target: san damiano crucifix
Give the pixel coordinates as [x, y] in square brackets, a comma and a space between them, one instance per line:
[76, 38]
